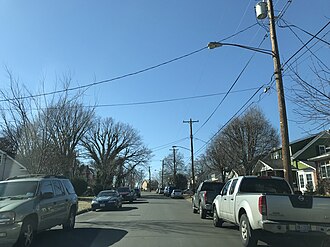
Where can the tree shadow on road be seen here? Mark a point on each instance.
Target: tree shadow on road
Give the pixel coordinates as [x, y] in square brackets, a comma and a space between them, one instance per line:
[82, 237]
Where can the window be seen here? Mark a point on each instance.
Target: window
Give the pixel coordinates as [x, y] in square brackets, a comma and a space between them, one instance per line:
[301, 181]
[325, 169]
[68, 186]
[232, 187]
[58, 188]
[322, 149]
[46, 186]
[309, 180]
[225, 188]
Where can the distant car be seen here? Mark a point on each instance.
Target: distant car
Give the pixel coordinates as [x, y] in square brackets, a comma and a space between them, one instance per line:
[126, 193]
[176, 193]
[168, 190]
[107, 199]
[137, 192]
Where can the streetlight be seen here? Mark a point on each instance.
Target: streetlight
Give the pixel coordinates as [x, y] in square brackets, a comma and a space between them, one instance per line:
[279, 83]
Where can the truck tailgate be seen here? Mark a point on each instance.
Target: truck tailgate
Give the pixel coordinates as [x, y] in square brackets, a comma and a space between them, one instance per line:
[298, 208]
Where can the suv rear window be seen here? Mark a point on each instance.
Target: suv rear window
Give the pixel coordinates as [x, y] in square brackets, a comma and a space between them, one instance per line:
[68, 186]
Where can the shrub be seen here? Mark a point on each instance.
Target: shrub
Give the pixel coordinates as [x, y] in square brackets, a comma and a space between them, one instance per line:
[80, 186]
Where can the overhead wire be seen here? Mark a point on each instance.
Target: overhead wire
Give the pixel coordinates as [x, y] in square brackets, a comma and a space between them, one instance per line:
[229, 90]
[128, 74]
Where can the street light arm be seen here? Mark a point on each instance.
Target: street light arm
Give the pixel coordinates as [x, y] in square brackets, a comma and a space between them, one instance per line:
[213, 45]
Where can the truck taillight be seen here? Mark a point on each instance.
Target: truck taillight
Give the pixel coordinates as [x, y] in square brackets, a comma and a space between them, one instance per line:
[262, 205]
[205, 194]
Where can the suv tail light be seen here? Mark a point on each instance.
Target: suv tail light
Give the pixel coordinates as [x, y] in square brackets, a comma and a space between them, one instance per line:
[262, 205]
[205, 196]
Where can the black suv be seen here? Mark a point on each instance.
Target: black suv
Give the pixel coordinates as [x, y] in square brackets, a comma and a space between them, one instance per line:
[32, 203]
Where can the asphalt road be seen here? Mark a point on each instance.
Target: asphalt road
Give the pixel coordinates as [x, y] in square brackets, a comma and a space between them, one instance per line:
[151, 221]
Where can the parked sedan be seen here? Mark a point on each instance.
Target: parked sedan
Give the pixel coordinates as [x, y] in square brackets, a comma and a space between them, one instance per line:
[176, 193]
[126, 193]
[107, 199]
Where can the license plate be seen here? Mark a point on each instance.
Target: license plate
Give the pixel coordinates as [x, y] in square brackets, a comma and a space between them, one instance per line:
[302, 228]
[102, 205]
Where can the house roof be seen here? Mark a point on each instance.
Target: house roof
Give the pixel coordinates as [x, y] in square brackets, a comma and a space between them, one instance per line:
[274, 164]
[317, 137]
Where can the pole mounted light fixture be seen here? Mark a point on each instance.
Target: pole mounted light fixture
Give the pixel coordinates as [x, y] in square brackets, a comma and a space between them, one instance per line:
[262, 9]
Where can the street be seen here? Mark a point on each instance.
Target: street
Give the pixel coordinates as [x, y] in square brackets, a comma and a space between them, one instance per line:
[151, 221]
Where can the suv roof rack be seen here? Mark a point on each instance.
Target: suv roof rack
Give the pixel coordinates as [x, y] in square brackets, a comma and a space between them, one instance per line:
[36, 176]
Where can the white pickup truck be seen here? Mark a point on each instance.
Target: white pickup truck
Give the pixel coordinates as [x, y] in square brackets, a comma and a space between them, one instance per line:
[267, 206]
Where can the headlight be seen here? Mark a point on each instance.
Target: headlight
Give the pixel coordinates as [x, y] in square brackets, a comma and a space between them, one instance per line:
[7, 218]
[94, 201]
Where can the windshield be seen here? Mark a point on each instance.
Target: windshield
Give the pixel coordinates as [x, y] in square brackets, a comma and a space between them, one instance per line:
[26, 189]
[107, 193]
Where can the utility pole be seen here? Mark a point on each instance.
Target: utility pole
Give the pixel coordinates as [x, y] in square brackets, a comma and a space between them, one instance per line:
[174, 165]
[280, 95]
[192, 151]
[163, 174]
[149, 179]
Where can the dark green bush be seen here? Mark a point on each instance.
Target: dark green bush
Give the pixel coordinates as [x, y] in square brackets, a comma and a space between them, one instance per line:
[80, 186]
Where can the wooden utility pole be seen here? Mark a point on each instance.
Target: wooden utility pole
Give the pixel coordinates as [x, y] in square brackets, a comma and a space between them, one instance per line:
[280, 95]
[174, 165]
[192, 152]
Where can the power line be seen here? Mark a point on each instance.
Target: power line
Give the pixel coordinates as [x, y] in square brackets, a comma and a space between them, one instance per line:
[310, 40]
[126, 75]
[231, 87]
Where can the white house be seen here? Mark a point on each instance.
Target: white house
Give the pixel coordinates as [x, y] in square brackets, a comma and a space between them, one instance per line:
[9, 167]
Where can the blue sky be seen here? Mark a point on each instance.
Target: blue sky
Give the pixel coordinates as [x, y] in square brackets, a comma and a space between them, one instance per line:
[100, 40]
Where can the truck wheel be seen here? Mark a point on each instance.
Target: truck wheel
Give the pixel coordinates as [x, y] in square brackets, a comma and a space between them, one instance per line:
[27, 234]
[70, 222]
[216, 221]
[202, 212]
[248, 236]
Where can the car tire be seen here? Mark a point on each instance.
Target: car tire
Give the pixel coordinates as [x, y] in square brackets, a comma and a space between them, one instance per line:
[27, 234]
[248, 236]
[70, 222]
[217, 222]
[202, 212]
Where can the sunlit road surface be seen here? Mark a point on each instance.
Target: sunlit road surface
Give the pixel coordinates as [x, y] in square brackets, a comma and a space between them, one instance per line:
[151, 221]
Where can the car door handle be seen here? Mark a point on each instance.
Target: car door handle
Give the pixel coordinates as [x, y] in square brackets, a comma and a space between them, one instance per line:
[225, 199]
[232, 199]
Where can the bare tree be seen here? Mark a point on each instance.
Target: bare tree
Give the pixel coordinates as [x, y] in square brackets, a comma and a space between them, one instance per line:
[312, 97]
[45, 138]
[116, 150]
[245, 140]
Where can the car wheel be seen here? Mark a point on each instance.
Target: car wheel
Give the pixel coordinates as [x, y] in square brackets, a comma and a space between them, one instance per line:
[27, 234]
[217, 222]
[70, 222]
[248, 236]
[202, 212]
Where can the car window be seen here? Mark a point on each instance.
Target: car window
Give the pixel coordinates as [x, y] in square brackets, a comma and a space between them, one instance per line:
[46, 186]
[27, 189]
[225, 188]
[58, 188]
[68, 187]
[265, 185]
[232, 187]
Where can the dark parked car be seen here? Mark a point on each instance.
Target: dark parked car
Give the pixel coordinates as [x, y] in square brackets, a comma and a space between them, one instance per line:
[107, 199]
[126, 193]
[137, 192]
